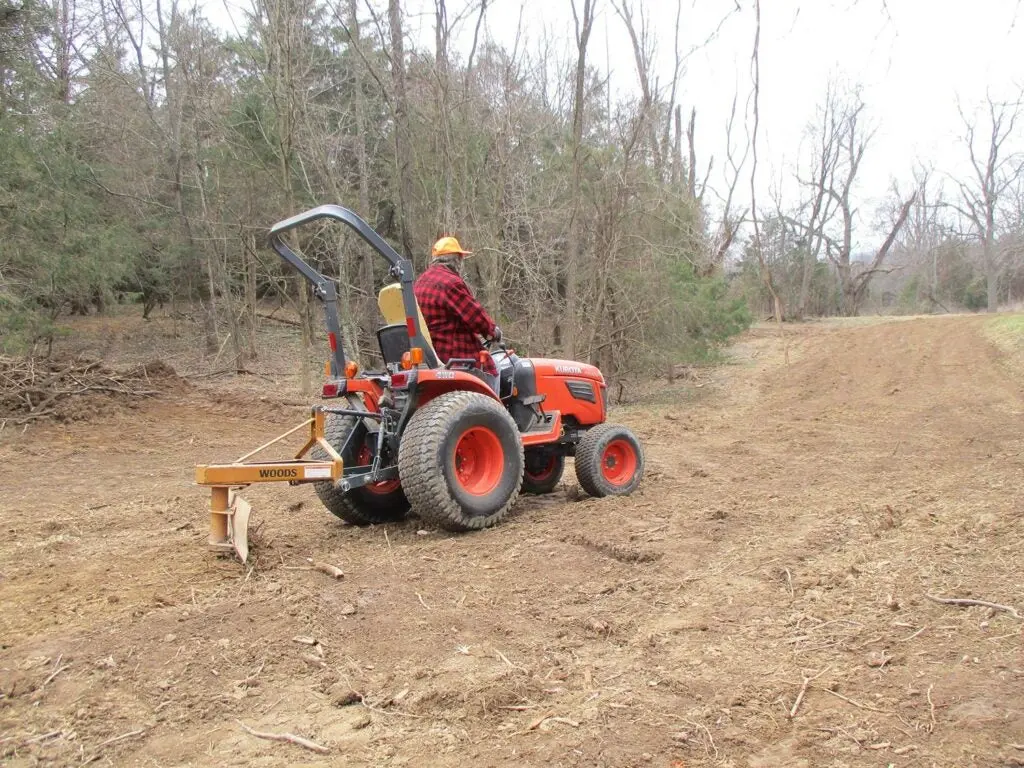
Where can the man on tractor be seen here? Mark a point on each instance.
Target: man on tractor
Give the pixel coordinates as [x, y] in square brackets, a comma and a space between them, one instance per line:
[455, 319]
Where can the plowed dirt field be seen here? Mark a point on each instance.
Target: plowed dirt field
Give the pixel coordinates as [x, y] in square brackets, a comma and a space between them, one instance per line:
[762, 602]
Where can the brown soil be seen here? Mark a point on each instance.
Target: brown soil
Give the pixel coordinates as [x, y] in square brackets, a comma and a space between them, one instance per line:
[792, 519]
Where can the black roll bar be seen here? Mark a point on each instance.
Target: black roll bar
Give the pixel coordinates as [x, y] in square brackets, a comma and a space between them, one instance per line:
[323, 287]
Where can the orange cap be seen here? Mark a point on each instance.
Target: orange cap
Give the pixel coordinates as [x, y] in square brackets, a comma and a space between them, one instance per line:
[447, 246]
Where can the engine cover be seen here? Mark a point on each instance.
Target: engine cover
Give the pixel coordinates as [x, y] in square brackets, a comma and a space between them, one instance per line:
[577, 390]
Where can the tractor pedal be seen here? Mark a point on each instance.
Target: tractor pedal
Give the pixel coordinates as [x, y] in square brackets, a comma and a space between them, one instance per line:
[543, 425]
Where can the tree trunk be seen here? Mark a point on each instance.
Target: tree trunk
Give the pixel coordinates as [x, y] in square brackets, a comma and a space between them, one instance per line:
[810, 261]
[403, 148]
[285, 94]
[250, 295]
[570, 263]
[444, 122]
[991, 273]
[367, 313]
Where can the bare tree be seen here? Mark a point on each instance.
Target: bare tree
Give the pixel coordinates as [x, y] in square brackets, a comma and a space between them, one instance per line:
[995, 171]
[755, 65]
[842, 141]
[640, 36]
[730, 220]
[583, 28]
[61, 55]
[824, 163]
[924, 231]
[403, 139]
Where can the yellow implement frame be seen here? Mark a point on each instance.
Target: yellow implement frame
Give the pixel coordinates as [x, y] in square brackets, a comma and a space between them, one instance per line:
[229, 512]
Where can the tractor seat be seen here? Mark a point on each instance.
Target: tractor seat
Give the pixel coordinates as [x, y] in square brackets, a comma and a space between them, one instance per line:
[394, 337]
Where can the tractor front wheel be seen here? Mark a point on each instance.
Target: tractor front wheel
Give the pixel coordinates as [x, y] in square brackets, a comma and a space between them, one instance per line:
[609, 461]
[461, 461]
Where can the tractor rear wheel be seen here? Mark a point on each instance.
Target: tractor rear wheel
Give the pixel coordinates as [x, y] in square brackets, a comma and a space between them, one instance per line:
[543, 471]
[609, 461]
[383, 502]
[461, 461]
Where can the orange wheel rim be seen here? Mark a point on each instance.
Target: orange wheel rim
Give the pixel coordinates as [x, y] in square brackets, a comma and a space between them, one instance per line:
[478, 460]
[545, 471]
[385, 486]
[618, 462]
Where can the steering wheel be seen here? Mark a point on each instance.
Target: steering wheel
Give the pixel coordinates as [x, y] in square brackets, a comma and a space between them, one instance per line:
[493, 345]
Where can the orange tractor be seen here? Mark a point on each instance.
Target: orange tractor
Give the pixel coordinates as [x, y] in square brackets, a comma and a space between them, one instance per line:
[444, 440]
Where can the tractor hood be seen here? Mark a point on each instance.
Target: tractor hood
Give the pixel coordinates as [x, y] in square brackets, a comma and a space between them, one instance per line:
[566, 368]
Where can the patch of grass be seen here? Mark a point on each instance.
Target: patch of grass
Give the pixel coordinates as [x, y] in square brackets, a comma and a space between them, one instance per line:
[1007, 329]
[1007, 333]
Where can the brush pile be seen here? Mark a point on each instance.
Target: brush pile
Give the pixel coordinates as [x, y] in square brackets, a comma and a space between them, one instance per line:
[32, 389]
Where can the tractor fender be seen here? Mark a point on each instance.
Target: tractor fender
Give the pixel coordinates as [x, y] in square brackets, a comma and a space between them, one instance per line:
[433, 382]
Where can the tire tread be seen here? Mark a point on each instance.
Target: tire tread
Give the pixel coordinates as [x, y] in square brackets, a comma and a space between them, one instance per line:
[421, 471]
[338, 502]
[588, 460]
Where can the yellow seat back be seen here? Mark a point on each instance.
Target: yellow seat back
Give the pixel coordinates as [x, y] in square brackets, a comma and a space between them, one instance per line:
[393, 309]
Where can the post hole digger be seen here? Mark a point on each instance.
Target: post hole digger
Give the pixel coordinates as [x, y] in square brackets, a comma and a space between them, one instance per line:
[452, 445]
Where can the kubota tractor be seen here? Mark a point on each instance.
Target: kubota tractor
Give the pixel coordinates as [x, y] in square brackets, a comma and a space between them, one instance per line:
[442, 439]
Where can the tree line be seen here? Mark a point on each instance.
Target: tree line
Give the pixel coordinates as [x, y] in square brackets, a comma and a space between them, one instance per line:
[144, 152]
[948, 242]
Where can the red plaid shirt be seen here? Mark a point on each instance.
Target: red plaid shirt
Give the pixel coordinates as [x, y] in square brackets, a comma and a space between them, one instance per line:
[454, 317]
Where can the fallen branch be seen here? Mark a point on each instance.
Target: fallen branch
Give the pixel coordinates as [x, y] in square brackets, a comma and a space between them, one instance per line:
[122, 737]
[704, 728]
[211, 374]
[536, 723]
[931, 708]
[32, 389]
[57, 670]
[96, 756]
[290, 738]
[281, 320]
[504, 658]
[981, 603]
[803, 691]
[541, 720]
[857, 704]
[331, 570]
[908, 639]
[44, 737]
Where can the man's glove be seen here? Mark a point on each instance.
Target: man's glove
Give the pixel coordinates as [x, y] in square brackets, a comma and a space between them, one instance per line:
[496, 336]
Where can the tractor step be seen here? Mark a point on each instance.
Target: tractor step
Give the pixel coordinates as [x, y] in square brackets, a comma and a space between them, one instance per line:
[546, 431]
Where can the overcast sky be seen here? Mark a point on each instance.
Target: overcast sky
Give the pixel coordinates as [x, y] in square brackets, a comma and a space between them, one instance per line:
[912, 58]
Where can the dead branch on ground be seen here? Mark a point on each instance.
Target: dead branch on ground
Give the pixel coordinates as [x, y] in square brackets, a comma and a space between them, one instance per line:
[32, 389]
[850, 701]
[290, 738]
[803, 691]
[981, 603]
[57, 669]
